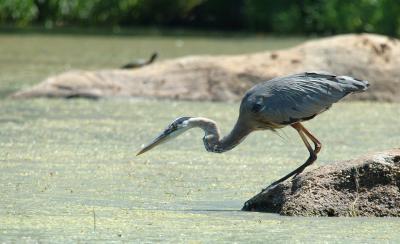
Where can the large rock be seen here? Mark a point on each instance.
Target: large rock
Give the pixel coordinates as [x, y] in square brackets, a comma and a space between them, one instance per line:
[368, 186]
[225, 78]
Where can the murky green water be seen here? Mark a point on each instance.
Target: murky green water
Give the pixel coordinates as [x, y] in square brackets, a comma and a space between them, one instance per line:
[68, 170]
[28, 59]
[69, 173]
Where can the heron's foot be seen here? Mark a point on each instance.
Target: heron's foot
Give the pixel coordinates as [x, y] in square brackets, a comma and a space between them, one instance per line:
[252, 204]
[247, 206]
[270, 187]
[275, 183]
[294, 176]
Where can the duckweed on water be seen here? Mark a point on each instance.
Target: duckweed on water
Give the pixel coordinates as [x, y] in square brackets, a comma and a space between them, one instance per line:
[69, 173]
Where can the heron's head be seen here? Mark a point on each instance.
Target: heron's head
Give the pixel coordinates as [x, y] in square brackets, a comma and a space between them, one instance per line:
[177, 127]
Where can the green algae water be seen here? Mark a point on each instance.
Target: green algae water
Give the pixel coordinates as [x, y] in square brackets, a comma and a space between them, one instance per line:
[69, 173]
[28, 59]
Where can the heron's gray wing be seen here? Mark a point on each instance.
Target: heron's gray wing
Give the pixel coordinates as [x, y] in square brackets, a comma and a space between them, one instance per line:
[299, 97]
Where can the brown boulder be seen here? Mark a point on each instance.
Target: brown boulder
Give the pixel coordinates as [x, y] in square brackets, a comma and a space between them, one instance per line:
[225, 78]
[367, 186]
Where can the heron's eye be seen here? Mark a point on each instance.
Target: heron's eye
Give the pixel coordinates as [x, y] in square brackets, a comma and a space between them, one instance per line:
[171, 128]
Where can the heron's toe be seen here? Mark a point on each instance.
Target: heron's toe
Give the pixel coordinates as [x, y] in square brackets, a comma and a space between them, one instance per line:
[248, 206]
[270, 187]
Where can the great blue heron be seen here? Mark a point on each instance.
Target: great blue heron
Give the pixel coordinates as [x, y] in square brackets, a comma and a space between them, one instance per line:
[272, 105]
[140, 62]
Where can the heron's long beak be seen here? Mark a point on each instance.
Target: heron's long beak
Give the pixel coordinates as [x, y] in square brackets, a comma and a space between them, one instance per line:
[163, 137]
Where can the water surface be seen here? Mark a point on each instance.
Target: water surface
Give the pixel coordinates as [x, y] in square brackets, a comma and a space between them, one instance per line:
[69, 173]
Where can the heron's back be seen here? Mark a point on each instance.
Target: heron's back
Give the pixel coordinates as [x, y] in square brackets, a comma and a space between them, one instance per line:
[298, 97]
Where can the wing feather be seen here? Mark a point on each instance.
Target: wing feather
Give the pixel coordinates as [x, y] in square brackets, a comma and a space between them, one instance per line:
[298, 97]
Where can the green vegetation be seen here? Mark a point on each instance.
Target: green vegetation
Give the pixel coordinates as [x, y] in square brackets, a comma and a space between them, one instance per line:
[69, 171]
[287, 16]
[62, 160]
[27, 59]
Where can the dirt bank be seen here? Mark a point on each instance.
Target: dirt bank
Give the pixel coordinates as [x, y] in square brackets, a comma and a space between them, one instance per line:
[367, 186]
[225, 78]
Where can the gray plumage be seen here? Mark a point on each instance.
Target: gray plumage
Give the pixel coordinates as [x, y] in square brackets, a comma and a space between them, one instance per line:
[299, 97]
[272, 105]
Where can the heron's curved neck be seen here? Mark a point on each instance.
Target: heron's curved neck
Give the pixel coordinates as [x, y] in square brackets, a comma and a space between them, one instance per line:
[212, 139]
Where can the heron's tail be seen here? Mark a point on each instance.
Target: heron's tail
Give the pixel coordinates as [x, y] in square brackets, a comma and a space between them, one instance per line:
[351, 84]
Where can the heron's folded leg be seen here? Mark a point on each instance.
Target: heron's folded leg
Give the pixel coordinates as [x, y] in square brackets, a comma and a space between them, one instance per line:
[311, 159]
[313, 153]
[316, 142]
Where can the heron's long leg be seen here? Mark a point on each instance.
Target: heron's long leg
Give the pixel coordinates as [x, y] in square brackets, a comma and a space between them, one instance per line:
[313, 153]
[316, 142]
[311, 159]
